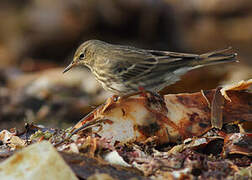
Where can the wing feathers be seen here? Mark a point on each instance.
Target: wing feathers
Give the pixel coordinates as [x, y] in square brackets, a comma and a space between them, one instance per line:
[160, 62]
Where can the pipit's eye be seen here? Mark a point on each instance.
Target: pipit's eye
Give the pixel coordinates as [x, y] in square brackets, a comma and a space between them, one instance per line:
[82, 55]
[120, 69]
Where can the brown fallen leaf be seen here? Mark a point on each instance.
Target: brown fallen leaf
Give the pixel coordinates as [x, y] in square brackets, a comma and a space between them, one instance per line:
[170, 118]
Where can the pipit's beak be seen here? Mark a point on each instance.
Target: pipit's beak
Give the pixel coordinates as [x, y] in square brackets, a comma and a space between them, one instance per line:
[69, 67]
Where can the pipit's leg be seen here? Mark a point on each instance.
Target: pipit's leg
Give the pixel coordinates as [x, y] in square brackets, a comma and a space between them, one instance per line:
[143, 92]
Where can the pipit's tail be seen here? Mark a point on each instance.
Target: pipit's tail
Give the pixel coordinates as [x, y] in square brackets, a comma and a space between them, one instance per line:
[215, 57]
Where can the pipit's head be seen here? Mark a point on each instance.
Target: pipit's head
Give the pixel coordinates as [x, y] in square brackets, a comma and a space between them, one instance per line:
[84, 54]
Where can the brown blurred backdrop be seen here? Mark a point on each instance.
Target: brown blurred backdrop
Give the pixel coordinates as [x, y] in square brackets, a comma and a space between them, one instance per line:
[39, 36]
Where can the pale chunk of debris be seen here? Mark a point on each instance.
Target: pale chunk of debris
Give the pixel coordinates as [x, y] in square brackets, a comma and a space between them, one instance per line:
[114, 158]
[38, 161]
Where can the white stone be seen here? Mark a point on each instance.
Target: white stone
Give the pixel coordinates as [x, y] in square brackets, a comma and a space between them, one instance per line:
[39, 161]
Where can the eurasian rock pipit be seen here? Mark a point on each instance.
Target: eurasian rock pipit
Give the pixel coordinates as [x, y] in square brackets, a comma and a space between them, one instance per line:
[124, 69]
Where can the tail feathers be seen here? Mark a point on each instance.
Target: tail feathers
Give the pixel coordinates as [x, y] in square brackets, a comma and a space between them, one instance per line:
[215, 57]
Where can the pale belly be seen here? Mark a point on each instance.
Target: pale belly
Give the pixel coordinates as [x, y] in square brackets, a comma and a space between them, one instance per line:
[147, 82]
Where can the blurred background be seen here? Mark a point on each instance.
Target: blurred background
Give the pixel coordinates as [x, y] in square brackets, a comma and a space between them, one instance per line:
[38, 38]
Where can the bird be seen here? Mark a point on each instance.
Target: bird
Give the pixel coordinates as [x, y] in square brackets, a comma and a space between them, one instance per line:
[124, 69]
